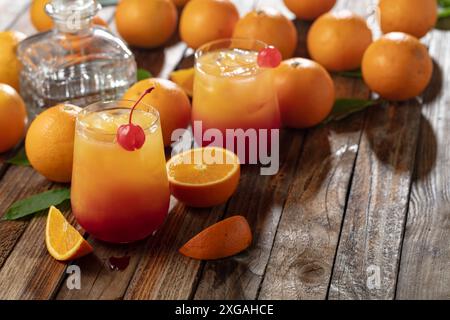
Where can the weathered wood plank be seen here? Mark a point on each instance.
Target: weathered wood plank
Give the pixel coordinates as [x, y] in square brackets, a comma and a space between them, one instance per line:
[30, 272]
[367, 259]
[425, 262]
[302, 256]
[17, 183]
[370, 243]
[163, 273]
[368, 256]
[11, 11]
[261, 200]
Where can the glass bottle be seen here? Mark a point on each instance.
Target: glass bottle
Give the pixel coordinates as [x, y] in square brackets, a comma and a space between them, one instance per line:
[76, 61]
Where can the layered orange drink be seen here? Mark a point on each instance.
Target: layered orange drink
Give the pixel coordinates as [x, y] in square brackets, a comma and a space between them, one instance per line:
[232, 93]
[117, 195]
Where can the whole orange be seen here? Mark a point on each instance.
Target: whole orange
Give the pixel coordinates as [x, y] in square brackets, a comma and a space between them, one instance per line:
[146, 24]
[415, 17]
[169, 99]
[397, 66]
[203, 21]
[49, 142]
[309, 9]
[305, 92]
[39, 18]
[271, 27]
[338, 40]
[13, 117]
[10, 65]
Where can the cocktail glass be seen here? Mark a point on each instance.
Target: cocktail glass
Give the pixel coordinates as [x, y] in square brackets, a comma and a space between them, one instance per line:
[231, 92]
[117, 195]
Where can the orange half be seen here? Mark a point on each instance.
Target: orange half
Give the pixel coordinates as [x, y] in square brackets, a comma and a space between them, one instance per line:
[203, 177]
[63, 241]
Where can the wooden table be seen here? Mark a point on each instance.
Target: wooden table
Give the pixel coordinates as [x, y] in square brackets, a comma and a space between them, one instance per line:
[364, 197]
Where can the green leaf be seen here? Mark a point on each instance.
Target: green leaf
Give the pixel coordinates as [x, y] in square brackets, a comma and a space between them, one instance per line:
[143, 74]
[344, 107]
[444, 13]
[350, 74]
[444, 3]
[20, 159]
[36, 203]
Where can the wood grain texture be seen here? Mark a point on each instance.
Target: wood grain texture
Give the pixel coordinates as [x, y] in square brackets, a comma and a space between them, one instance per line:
[371, 235]
[374, 221]
[17, 183]
[30, 272]
[261, 200]
[163, 273]
[303, 252]
[425, 262]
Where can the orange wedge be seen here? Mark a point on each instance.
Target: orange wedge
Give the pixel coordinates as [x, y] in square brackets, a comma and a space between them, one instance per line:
[203, 177]
[185, 79]
[223, 239]
[63, 241]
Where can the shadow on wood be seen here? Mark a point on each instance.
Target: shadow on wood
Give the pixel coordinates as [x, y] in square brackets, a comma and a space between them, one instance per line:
[391, 132]
[426, 156]
[435, 86]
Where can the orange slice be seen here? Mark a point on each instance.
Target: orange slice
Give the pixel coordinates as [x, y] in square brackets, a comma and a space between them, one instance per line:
[223, 239]
[203, 177]
[185, 79]
[63, 241]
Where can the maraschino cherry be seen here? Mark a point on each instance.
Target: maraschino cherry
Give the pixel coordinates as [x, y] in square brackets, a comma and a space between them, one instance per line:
[131, 136]
[269, 57]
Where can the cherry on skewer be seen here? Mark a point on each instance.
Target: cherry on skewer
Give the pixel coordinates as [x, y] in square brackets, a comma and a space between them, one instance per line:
[131, 136]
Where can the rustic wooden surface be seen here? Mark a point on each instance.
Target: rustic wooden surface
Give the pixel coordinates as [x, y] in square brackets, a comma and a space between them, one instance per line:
[369, 193]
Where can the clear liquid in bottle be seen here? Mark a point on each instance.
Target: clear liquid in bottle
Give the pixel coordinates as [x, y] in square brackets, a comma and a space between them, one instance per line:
[76, 62]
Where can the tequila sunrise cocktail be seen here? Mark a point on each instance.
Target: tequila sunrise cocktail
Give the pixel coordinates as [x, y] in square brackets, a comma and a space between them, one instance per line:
[231, 91]
[118, 195]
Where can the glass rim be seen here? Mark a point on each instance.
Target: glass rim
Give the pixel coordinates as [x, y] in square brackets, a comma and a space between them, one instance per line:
[88, 110]
[203, 49]
[199, 50]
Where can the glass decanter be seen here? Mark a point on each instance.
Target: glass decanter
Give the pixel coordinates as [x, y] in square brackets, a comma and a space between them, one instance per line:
[76, 62]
